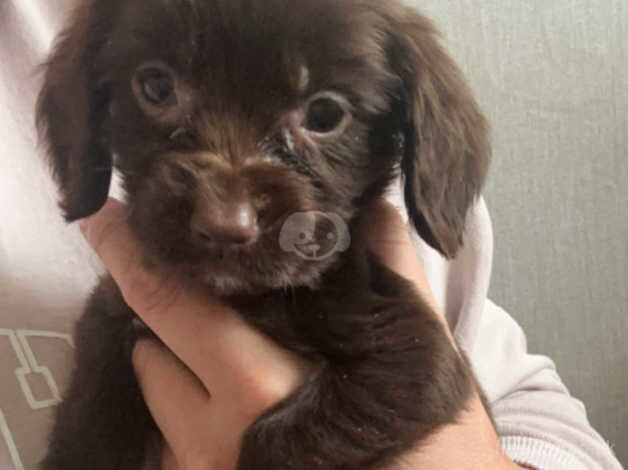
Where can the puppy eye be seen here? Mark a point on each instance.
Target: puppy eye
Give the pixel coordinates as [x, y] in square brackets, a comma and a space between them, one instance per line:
[325, 114]
[157, 86]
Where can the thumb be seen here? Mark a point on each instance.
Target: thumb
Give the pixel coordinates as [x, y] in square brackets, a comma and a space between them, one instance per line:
[388, 237]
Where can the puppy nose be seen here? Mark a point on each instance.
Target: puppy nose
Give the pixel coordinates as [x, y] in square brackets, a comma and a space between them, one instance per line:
[234, 223]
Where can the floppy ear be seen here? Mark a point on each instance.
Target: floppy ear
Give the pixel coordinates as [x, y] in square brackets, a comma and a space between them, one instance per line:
[447, 143]
[70, 112]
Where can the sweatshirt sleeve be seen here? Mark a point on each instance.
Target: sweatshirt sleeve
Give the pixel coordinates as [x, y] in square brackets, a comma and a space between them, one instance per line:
[539, 423]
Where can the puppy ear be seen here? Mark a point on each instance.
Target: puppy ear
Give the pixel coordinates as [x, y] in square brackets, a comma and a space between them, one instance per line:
[70, 113]
[447, 143]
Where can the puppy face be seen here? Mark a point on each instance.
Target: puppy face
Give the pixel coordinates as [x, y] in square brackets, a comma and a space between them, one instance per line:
[230, 120]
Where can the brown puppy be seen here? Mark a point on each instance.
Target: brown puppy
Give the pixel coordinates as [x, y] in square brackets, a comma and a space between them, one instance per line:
[251, 135]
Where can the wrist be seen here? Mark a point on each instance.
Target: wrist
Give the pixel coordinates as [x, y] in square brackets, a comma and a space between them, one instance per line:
[471, 443]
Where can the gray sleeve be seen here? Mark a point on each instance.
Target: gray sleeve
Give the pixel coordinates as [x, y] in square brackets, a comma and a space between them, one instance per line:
[539, 423]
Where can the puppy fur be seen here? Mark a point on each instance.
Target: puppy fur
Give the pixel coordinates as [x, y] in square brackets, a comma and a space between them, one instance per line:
[243, 74]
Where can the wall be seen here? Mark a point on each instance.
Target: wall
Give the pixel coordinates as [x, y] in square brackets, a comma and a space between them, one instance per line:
[552, 76]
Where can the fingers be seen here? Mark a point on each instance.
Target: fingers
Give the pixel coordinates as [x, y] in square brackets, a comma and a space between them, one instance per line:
[198, 433]
[389, 239]
[175, 397]
[168, 311]
[214, 349]
[109, 235]
[207, 336]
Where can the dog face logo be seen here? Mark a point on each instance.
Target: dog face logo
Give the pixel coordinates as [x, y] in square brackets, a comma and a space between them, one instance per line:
[314, 236]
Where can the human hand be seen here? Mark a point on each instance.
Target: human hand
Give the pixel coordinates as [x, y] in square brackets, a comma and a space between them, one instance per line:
[216, 374]
[471, 443]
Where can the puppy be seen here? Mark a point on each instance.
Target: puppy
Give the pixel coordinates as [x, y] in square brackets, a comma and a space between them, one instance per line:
[251, 136]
